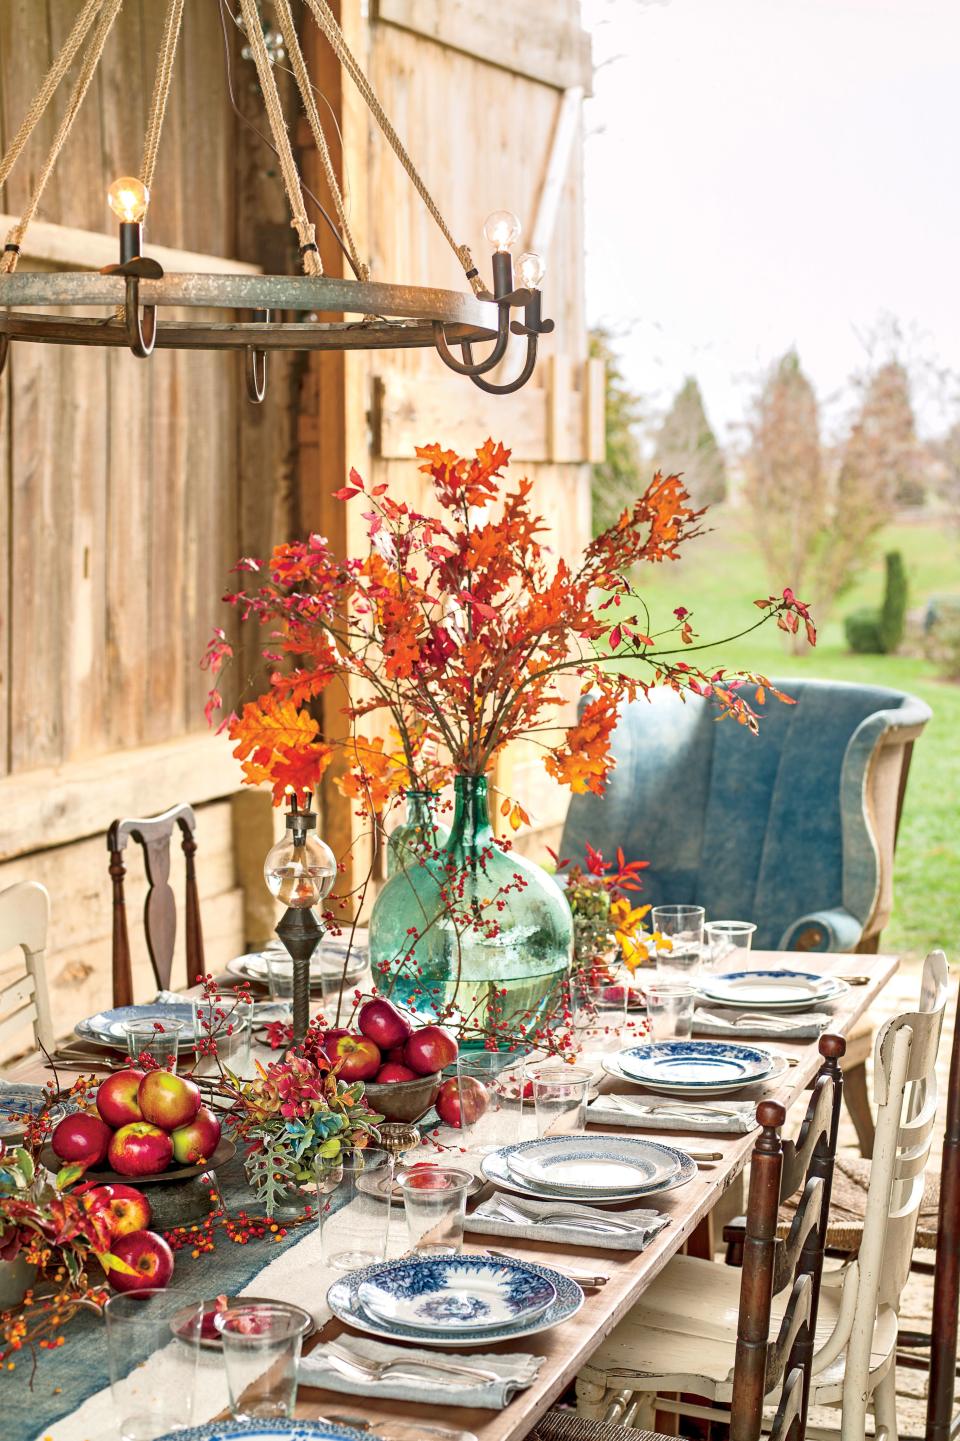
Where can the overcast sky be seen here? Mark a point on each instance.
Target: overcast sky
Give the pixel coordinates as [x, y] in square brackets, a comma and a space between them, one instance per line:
[769, 173]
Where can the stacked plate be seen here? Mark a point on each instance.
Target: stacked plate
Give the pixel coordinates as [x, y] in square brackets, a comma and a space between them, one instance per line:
[696, 1069]
[599, 1170]
[106, 1027]
[773, 990]
[454, 1300]
[328, 960]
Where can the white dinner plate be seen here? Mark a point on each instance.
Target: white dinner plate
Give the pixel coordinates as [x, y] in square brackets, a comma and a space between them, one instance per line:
[610, 1164]
[496, 1168]
[779, 989]
[703, 1093]
[456, 1293]
[694, 1063]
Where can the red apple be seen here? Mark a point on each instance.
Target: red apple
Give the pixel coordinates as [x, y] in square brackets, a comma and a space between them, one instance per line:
[394, 1056]
[117, 1098]
[355, 1058]
[392, 1072]
[81, 1137]
[125, 1208]
[329, 1041]
[150, 1257]
[168, 1100]
[429, 1049]
[140, 1150]
[197, 1141]
[462, 1102]
[381, 1022]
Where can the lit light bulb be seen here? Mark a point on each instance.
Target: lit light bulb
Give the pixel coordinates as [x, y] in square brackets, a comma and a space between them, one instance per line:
[128, 198]
[529, 269]
[300, 869]
[501, 229]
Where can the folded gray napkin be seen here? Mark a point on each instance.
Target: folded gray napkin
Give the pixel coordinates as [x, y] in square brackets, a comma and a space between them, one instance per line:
[801, 1026]
[411, 1382]
[580, 1226]
[652, 1113]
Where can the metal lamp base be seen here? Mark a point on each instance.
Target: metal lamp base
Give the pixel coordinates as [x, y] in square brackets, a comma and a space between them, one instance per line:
[300, 930]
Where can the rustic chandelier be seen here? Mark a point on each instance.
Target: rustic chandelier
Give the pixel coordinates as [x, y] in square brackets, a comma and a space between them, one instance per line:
[136, 288]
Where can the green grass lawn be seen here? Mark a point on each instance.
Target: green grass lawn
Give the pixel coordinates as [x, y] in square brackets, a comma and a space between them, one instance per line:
[722, 573]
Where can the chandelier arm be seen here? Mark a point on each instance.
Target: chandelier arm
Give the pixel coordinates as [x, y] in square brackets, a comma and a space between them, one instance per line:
[255, 366]
[309, 253]
[302, 77]
[51, 80]
[327, 22]
[4, 351]
[16, 233]
[468, 366]
[521, 379]
[141, 325]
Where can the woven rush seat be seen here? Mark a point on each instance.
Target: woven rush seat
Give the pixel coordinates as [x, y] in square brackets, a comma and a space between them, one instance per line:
[568, 1426]
[848, 1199]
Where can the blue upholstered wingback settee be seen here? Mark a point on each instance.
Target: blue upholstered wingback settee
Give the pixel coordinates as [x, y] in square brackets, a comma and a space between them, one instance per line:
[793, 829]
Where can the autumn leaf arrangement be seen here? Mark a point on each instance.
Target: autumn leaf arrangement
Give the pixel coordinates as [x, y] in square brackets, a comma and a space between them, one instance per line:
[451, 635]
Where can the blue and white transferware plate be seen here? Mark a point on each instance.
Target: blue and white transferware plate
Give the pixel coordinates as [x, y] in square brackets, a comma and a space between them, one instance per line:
[779, 989]
[344, 1300]
[106, 1027]
[289, 1429]
[17, 1105]
[457, 1293]
[778, 1064]
[496, 1168]
[694, 1063]
[610, 1165]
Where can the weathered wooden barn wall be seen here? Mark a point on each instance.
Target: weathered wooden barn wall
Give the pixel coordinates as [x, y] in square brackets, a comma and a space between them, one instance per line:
[127, 489]
[488, 101]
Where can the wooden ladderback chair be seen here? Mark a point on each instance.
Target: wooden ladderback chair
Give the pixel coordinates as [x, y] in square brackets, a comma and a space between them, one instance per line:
[679, 1338]
[946, 1287]
[154, 834]
[24, 918]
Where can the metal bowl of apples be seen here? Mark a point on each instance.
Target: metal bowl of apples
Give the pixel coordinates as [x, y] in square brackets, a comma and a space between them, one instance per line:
[148, 1126]
[400, 1062]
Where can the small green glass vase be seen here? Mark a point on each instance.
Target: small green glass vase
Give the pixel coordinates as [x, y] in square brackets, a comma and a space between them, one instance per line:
[476, 935]
[419, 833]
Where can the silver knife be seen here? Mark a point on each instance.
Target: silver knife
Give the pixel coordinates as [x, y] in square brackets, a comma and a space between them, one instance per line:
[399, 1430]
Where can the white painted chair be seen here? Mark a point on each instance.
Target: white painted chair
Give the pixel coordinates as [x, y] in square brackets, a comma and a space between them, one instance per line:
[680, 1337]
[24, 917]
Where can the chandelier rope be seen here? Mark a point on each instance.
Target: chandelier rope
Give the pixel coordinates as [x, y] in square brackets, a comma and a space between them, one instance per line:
[11, 254]
[161, 90]
[51, 80]
[309, 253]
[327, 22]
[285, 17]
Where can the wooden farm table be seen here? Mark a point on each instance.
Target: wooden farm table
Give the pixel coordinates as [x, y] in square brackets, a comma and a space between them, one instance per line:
[567, 1347]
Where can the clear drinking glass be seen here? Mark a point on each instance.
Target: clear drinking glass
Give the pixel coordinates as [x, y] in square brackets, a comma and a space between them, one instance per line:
[261, 1352]
[153, 1345]
[435, 1202]
[560, 1098]
[227, 1025]
[670, 1010]
[353, 1204]
[599, 1006]
[492, 1119]
[280, 978]
[682, 929]
[160, 1040]
[728, 942]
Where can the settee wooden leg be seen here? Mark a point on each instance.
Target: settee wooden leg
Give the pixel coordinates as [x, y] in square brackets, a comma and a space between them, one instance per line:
[858, 1104]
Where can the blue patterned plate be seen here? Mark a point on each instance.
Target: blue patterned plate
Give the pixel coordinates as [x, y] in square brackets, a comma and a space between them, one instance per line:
[344, 1301]
[779, 990]
[496, 1168]
[609, 1164]
[457, 1292]
[778, 1064]
[106, 1027]
[290, 1429]
[694, 1063]
[18, 1102]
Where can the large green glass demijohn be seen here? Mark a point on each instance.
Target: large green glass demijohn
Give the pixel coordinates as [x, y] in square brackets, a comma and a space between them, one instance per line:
[479, 935]
[418, 834]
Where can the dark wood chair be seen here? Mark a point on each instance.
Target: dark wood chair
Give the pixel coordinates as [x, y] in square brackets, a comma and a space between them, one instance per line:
[153, 834]
[673, 1344]
[941, 1423]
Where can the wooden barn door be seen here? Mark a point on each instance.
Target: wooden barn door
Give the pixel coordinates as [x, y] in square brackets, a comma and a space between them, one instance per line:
[488, 101]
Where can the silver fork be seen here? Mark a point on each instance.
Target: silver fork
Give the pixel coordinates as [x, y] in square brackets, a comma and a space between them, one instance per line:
[371, 1370]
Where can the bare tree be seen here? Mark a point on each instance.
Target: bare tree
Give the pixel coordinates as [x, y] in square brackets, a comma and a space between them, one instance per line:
[785, 484]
